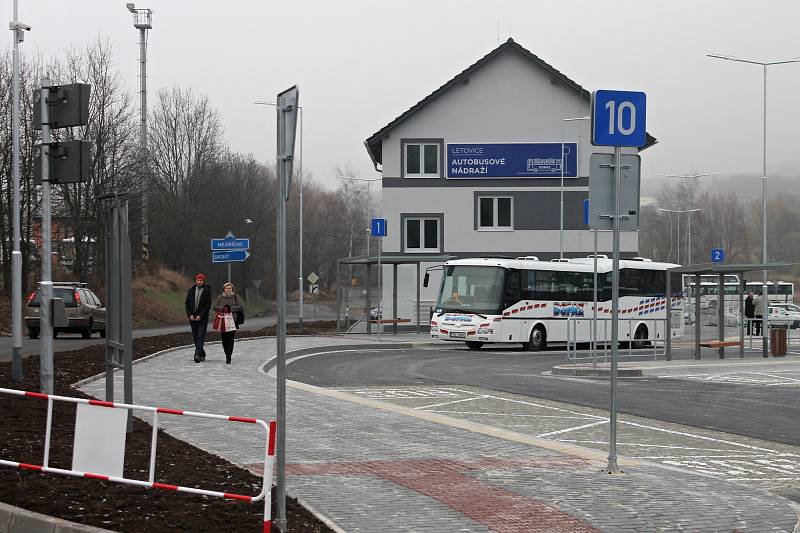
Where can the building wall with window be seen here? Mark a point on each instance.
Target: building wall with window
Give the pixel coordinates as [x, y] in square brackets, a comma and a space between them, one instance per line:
[508, 97]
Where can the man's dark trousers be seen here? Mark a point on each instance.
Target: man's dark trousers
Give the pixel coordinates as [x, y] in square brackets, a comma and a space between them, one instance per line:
[199, 328]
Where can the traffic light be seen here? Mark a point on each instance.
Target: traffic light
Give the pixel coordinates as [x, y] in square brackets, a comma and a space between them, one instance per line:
[68, 106]
[69, 162]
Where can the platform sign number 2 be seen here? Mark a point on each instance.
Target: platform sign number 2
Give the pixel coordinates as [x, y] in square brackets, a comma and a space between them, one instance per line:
[618, 118]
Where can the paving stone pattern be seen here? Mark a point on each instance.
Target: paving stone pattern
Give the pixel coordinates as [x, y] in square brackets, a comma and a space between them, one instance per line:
[373, 470]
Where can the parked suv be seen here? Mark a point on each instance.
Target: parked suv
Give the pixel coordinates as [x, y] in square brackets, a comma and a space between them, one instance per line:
[85, 311]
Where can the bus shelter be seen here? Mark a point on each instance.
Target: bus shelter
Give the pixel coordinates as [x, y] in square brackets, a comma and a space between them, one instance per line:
[393, 260]
[720, 270]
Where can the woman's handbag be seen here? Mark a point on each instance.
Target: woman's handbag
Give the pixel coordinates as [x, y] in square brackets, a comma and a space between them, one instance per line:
[239, 316]
[228, 322]
[218, 322]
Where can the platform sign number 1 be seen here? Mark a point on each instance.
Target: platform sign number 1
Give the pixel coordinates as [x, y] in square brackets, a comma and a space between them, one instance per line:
[618, 118]
[378, 227]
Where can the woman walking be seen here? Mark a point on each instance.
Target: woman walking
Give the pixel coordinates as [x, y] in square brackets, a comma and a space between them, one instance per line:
[228, 302]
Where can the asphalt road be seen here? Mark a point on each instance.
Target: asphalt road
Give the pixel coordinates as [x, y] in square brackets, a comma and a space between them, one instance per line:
[73, 341]
[764, 412]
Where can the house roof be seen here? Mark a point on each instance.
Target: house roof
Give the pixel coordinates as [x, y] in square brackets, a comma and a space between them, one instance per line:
[374, 142]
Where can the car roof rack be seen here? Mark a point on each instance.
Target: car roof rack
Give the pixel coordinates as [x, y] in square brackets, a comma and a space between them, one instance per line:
[71, 283]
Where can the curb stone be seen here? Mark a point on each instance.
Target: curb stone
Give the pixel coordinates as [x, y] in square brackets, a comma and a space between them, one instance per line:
[19, 520]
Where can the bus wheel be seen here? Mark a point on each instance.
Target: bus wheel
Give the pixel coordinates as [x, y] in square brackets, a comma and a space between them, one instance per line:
[474, 345]
[641, 333]
[538, 340]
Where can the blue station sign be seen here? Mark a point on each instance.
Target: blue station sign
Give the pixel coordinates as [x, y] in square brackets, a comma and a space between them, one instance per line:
[511, 160]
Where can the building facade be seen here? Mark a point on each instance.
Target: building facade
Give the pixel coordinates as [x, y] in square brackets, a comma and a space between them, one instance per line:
[474, 169]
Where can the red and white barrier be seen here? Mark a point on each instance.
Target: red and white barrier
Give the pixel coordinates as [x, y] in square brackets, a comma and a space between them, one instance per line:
[269, 453]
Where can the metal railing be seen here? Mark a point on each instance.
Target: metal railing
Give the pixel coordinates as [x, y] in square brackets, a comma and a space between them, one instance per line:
[655, 344]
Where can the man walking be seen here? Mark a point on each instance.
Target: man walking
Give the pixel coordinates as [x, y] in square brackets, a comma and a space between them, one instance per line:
[198, 304]
[759, 312]
[749, 311]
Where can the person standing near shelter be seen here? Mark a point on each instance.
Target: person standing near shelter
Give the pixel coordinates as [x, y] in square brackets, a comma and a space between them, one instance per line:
[759, 312]
[228, 302]
[198, 305]
[749, 311]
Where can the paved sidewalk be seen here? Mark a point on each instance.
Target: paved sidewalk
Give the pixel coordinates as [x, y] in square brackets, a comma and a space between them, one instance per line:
[369, 466]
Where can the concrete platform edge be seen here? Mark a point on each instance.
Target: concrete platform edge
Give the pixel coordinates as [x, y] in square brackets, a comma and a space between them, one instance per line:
[19, 520]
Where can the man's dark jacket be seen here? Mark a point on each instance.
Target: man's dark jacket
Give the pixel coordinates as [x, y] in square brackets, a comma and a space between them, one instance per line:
[204, 304]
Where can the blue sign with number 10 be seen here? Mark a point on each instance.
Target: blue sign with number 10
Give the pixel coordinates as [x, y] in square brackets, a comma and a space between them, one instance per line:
[378, 227]
[618, 118]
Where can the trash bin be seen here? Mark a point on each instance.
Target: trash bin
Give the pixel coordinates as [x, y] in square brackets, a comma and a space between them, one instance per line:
[777, 339]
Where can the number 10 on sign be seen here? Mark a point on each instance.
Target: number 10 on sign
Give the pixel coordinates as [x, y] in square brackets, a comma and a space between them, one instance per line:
[618, 118]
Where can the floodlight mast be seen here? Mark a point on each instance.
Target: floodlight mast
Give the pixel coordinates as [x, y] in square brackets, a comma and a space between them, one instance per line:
[143, 21]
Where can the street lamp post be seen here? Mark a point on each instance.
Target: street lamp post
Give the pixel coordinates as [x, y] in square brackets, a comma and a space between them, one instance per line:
[764, 296]
[689, 231]
[18, 28]
[300, 237]
[563, 157]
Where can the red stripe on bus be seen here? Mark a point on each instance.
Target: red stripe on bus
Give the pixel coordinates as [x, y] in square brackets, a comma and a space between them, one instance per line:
[169, 411]
[95, 476]
[164, 486]
[242, 419]
[26, 466]
[37, 395]
[241, 497]
[101, 403]
[273, 426]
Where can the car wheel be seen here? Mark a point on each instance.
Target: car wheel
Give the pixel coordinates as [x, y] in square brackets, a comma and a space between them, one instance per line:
[641, 333]
[474, 345]
[86, 333]
[33, 333]
[538, 339]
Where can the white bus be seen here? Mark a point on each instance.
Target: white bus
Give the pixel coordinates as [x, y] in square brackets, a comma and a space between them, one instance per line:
[777, 291]
[529, 301]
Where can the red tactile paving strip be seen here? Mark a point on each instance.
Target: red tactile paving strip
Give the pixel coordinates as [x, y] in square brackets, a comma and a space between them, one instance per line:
[444, 480]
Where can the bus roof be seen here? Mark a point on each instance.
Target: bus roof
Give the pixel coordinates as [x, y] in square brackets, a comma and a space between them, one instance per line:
[582, 264]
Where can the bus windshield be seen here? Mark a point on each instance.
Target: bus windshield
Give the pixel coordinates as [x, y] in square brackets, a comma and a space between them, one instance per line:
[473, 289]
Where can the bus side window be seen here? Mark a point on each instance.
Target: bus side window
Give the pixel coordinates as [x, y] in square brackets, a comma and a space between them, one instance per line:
[512, 290]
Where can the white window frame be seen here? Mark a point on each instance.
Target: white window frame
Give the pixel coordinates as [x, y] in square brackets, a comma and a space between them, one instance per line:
[422, 146]
[422, 249]
[494, 226]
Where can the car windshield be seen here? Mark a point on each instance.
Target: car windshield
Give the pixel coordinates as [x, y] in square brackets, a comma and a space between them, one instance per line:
[471, 289]
[66, 294]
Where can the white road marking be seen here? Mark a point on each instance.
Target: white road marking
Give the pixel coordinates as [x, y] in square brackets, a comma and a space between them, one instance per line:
[567, 430]
[561, 417]
[449, 403]
[696, 436]
[533, 404]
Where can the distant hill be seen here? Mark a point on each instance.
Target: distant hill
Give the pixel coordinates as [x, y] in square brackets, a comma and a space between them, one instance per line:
[742, 184]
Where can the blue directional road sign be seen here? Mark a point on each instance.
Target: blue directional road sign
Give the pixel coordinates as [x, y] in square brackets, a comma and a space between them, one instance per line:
[586, 211]
[378, 227]
[233, 256]
[618, 118]
[717, 255]
[230, 243]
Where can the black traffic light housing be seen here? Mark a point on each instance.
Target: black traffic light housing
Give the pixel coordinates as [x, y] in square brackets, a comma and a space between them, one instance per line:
[68, 106]
[69, 162]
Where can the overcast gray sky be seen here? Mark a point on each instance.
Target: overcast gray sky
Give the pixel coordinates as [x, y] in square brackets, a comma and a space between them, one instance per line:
[360, 64]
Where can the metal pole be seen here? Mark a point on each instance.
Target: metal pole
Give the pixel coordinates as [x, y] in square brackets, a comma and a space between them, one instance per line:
[380, 291]
[697, 353]
[229, 271]
[283, 178]
[561, 192]
[418, 290]
[679, 238]
[300, 274]
[143, 140]
[764, 294]
[613, 467]
[721, 313]
[668, 322]
[16, 254]
[742, 288]
[594, 313]
[46, 307]
[689, 236]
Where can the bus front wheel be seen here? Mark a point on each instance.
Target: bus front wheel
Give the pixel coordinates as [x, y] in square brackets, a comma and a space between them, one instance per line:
[538, 339]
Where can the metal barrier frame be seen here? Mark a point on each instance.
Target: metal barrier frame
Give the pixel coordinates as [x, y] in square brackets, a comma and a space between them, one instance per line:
[572, 335]
[269, 455]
